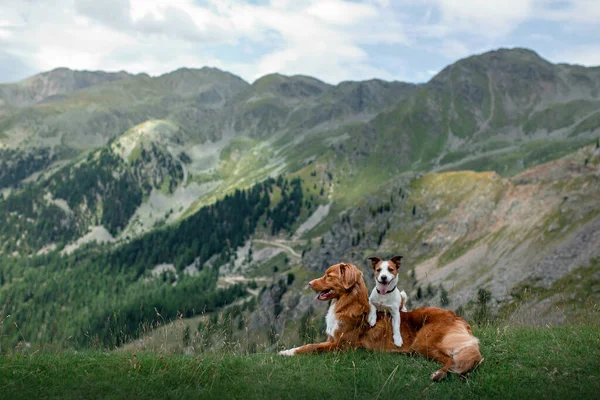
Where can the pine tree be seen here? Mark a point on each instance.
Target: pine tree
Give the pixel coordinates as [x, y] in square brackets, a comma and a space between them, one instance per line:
[482, 313]
[444, 300]
[430, 290]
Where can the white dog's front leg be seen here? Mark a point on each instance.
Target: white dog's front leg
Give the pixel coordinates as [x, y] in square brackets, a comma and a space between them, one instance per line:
[372, 315]
[396, 328]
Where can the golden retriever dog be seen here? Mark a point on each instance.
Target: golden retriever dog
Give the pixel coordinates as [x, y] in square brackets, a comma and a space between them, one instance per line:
[433, 332]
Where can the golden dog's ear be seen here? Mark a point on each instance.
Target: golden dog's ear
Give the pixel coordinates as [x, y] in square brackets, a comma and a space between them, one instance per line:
[396, 260]
[374, 261]
[350, 275]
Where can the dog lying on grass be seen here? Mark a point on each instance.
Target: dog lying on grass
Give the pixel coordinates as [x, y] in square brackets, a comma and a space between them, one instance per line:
[433, 332]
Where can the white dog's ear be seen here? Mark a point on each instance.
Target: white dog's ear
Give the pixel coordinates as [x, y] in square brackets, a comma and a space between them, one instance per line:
[396, 260]
[374, 261]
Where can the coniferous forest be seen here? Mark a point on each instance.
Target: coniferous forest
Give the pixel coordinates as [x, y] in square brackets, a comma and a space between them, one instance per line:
[104, 296]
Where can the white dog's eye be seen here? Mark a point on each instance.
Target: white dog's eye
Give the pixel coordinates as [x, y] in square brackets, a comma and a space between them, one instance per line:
[378, 269]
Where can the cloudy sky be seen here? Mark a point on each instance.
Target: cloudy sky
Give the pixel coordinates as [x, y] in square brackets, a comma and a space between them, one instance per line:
[334, 40]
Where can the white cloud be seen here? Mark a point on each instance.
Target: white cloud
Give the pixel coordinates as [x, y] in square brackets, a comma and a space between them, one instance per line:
[320, 38]
[453, 49]
[486, 18]
[588, 56]
[341, 12]
[585, 11]
[332, 40]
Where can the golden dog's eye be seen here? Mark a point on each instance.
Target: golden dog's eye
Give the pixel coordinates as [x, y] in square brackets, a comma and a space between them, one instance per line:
[378, 269]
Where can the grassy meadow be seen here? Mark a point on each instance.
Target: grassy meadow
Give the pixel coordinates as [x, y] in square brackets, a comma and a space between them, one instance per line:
[518, 363]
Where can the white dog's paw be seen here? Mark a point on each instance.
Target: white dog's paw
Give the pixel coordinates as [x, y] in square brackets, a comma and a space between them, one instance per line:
[288, 353]
[398, 340]
[372, 319]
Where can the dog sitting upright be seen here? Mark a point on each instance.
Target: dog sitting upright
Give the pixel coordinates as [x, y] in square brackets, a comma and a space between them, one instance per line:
[386, 296]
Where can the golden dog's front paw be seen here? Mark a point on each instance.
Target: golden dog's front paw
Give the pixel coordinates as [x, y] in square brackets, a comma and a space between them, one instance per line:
[288, 353]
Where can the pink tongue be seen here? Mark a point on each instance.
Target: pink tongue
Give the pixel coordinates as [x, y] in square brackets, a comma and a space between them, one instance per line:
[383, 288]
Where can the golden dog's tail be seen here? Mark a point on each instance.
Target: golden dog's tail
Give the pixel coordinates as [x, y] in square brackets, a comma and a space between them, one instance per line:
[460, 344]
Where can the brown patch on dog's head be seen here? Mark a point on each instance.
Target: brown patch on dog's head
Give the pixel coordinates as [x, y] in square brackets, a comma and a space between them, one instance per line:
[336, 282]
[396, 260]
[385, 271]
[374, 261]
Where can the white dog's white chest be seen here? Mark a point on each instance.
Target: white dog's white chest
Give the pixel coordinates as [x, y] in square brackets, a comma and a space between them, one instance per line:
[387, 302]
[331, 320]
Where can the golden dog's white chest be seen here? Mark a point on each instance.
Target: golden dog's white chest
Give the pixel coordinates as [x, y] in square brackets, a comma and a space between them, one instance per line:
[331, 320]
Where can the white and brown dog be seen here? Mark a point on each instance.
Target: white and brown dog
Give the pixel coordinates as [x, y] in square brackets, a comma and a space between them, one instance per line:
[386, 296]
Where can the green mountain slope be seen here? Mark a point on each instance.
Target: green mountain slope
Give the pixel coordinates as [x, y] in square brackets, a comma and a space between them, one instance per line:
[485, 178]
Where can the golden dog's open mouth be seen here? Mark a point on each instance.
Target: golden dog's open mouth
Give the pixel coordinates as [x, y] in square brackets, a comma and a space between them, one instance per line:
[325, 295]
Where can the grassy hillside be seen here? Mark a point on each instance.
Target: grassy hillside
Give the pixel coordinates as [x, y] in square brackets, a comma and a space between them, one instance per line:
[518, 363]
[468, 230]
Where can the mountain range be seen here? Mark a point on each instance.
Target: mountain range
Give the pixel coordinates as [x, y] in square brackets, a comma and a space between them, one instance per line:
[484, 178]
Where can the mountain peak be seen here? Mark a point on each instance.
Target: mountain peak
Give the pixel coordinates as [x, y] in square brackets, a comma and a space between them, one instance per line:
[290, 86]
[192, 81]
[204, 72]
[513, 61]
[57, 82]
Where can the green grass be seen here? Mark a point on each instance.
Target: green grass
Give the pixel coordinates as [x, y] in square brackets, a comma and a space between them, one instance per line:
[558, 116]
[518, 363]
[528, 155]
[590, 124]
[266, 268]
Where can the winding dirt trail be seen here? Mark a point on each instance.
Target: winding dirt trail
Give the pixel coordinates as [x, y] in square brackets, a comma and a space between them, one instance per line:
[280, 245]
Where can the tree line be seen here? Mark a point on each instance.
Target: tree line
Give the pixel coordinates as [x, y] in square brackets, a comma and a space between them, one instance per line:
[103, 296]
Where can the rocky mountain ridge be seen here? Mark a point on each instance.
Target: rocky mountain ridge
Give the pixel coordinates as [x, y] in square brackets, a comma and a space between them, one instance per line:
[484, 178]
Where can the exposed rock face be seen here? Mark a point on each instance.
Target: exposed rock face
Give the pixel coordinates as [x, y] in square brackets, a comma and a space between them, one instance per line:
[269, 306]
[468, 230]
